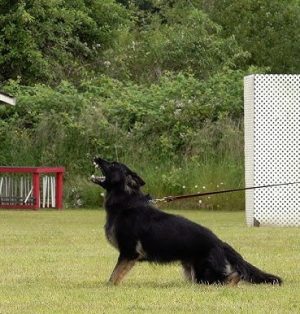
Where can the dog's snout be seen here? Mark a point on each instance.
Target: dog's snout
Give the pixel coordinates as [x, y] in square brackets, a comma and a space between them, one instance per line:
[100, 163]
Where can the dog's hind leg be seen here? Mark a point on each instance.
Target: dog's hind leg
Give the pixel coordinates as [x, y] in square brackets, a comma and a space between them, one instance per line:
[122, 267]
[233, 279]
[188, 272]
[211, 270]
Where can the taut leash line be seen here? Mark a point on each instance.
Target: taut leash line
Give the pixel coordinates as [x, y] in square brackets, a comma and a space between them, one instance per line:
[168, 199]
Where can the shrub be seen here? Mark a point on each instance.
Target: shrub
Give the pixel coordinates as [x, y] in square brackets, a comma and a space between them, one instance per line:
[167, 131]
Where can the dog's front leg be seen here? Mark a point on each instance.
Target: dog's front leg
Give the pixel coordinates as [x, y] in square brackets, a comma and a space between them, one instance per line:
[122, 267]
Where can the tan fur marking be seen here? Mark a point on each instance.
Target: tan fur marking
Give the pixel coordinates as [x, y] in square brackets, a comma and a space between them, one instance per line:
[233, 279]
[120, 270]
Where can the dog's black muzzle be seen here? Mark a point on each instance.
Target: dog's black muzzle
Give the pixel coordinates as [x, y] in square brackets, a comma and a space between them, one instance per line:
[102, 164]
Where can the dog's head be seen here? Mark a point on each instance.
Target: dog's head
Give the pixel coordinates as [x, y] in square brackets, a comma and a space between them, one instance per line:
[116, 175]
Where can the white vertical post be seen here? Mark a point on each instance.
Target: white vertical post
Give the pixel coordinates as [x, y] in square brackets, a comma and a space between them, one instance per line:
[272, 148]
[48, 191]
[7, 188]
[44, 192]
[1, 185]
[21, 187]
[52, 191]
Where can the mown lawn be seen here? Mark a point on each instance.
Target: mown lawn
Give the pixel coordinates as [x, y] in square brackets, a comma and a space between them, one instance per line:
[59, 262]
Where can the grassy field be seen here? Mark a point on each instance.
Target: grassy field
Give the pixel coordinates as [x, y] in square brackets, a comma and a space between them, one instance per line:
[59, 262]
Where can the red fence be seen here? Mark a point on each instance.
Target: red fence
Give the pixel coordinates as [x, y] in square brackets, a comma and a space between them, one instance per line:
[22, 187]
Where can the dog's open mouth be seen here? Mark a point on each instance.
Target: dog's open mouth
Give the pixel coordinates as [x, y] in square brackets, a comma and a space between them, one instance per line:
[97, 178]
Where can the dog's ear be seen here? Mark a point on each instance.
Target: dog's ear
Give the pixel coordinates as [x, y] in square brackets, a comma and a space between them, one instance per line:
[134, 180]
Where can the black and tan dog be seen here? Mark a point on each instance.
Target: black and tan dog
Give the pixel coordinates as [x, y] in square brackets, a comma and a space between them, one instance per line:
[141, 232]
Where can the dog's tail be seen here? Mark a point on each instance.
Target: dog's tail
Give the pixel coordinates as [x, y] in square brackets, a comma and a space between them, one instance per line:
[247, 271]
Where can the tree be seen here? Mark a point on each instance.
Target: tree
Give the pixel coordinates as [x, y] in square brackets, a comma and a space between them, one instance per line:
[177, 37]
[268, 29]
[51, 40]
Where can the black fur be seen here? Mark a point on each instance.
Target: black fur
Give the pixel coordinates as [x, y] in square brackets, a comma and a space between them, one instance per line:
[142, 232]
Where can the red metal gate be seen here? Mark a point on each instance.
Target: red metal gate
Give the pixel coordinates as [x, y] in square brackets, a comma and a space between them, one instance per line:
[20, 187]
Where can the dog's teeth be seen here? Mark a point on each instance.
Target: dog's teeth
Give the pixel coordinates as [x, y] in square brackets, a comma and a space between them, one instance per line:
[96, 165]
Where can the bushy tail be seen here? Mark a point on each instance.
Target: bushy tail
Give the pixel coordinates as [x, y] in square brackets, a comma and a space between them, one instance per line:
[254, 275]
[247, 271]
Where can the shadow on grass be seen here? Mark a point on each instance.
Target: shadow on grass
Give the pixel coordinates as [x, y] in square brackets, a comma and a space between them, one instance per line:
[130, 284]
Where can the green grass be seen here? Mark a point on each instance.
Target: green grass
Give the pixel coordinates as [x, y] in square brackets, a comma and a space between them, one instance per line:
[59, 262]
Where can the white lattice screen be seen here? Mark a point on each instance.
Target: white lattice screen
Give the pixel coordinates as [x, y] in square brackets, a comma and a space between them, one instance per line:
[272, 148]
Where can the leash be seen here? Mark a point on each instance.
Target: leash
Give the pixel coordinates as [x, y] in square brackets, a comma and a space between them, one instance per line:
[168, 199]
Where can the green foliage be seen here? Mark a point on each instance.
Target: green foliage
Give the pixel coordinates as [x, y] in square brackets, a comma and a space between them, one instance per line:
[46, 41]
[268, 29]
[165, 43]
[157, 84]
[50, 41]
[176, 122]
[167, 116]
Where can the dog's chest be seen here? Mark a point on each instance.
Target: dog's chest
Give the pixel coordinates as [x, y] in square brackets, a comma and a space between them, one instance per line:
[111, 235]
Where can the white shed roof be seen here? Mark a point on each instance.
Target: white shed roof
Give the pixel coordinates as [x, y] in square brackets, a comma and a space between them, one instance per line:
[7, 99]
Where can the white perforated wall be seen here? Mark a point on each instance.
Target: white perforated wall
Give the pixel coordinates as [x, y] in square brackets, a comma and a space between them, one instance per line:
[272, 148]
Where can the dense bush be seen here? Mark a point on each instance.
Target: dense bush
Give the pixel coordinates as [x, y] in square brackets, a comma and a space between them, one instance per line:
[108, 115]
[166, 43]
[47, 41]
[267, 29]
[174, 122]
